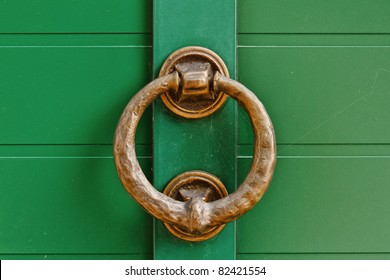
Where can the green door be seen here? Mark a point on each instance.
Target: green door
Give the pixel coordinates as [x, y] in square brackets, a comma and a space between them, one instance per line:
[67, 70]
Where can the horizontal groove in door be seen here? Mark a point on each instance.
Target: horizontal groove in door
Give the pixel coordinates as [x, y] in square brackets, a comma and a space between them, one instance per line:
[145, 151]
[244, 40]
[75, 40]
[66, 151]
[334, 205]
[323, 150]
[313, 40]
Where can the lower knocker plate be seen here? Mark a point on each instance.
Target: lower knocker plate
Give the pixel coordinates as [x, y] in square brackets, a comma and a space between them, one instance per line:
[189, 187]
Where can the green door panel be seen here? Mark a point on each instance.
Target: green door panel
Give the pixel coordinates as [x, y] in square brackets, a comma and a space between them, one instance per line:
[331, 94]
[70, 92]
[320, 204]
[307, 16]
[83, 16]
[68, 200]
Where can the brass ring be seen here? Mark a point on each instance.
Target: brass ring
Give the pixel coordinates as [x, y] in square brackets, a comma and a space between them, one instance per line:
[179, 213]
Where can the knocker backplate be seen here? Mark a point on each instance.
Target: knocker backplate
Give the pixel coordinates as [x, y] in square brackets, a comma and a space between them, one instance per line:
[188, 187]
[196, 97]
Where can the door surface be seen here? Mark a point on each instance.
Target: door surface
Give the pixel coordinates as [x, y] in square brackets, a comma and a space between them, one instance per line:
[322, 70]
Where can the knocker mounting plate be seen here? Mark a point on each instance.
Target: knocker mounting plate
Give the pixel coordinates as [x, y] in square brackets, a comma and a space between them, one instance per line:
[196, 97]
[191, 187]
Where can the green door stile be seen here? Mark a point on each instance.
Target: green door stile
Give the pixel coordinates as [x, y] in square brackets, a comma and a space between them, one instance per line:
[207, 144]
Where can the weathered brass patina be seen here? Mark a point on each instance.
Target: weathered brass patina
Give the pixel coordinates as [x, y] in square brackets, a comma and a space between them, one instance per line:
[195, 188]
[195, 215]
[196, 97]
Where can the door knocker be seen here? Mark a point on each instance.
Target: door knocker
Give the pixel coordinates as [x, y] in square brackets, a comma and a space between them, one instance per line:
[195, 205]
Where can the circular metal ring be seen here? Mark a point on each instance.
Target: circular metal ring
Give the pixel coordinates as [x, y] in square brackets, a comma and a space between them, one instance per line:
[179, 213]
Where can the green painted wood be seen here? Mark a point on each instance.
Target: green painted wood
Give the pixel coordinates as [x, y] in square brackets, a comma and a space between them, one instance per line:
[68, 69]
[347, 256]
[320, 204]
[306, 16]
[66, 151]
[318, 40]
[87, 16]
[330, 94]
[76, 257]
[70, 94]
[239, 257]
[68, 200]
[75, 40]
[207, 144]
[320, 150]
[281, 16]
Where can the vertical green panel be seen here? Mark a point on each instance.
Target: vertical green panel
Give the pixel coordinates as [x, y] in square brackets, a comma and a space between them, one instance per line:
[208, 144]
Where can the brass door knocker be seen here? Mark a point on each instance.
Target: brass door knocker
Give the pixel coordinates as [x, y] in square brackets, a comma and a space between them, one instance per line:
[195, 205]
